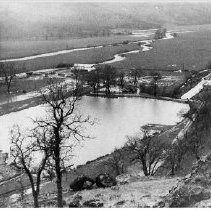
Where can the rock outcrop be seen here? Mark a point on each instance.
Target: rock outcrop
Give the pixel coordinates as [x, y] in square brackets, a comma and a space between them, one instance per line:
[194, 188]
[94, 203]
[81, 183]
[104, 180]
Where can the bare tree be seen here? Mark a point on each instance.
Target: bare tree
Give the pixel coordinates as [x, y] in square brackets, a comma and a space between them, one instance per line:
[24, 151]
[79, 77]
[49, 171]
[8, 72]
[155, 77]
[174, 155]
[67, 126]
[135, 74]
[117, 161]
[108, 75]
[148, 149]
[196, 140]
[93, 80]
[196, 137]
[121, 79]
[160, 33]
[208, 66]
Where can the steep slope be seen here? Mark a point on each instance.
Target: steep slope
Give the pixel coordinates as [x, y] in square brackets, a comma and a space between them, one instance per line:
[140, 193]
[194, 190]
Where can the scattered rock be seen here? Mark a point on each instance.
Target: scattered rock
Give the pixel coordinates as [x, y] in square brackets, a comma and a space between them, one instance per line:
[161, 204]
[201, 180]
[114, 196]
[123, 179]
[51, 203]
[74, 204]
[98, 195]
[120, 203]
[146, 196]
[115, 188]
[95, 203]
[146, 206]
[77, 196]
[64, 203]
[81, 183]
[187, 196]
[104, 180]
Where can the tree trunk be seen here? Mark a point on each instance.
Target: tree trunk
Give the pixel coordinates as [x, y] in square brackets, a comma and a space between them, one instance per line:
[94, 89]
[172, 169]
[197, 157]
[58, 176]
[8, 90]
[144, 165]
[59, 183]
[107, 89]
[36, 202]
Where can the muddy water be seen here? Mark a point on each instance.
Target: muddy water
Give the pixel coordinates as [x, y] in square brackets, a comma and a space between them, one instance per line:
[116, 118]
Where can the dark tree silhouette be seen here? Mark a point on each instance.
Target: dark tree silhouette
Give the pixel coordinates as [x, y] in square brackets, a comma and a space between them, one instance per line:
[121, 79]
[154, 84]
[148, 150]
[93, 79]
[8, 72]
[160, 33]
[135, 74]
[24, 151]
[117, 161]
[175, 153]
[108, 76]
[66, 124]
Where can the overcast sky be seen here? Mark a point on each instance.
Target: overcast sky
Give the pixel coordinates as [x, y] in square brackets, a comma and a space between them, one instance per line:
[128, 1]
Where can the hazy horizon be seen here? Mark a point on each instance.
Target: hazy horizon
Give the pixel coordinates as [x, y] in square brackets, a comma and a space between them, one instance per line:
[21, 18]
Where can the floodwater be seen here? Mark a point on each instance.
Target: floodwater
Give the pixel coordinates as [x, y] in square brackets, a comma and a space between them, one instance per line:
[115, 59]
[115, 119]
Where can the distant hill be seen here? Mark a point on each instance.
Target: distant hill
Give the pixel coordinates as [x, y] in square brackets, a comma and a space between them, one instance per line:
[81, 19]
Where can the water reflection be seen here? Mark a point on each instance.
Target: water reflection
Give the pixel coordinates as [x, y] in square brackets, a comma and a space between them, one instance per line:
[116, 118]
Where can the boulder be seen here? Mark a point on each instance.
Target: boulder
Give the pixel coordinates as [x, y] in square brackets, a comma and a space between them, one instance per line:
[81, 183]
[123, 179]
[64, 203]
[104, 180]
[120, 203]
[74, 204]
[94, 203]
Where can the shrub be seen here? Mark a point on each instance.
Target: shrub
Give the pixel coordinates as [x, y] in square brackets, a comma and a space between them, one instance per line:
[64, 65]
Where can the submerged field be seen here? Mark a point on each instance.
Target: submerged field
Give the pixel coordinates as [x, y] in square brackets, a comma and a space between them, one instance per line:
[16, 49]
[191, 50]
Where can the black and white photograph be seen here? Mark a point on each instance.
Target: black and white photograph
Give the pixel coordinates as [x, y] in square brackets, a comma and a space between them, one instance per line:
[105, 103]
